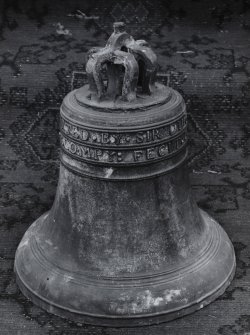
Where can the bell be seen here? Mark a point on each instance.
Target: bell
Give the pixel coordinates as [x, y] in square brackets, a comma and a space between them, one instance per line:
[124, 243]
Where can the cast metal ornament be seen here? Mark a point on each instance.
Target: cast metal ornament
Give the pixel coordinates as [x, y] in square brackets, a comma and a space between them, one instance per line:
[124, 244]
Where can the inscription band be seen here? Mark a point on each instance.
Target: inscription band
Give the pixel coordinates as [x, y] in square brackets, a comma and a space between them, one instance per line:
[125, 139]
[127, 156]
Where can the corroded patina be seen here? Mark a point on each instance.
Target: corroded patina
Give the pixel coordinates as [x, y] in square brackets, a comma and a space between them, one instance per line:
[124, 243]
[129, 64]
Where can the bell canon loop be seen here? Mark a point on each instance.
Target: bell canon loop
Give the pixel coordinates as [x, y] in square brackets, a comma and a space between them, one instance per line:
[124, 243]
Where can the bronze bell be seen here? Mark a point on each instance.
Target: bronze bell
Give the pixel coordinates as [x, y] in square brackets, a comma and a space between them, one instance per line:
[124, 243]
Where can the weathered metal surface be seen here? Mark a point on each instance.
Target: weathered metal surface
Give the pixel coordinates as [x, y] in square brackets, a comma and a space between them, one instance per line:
[136, 59]
[124, 243]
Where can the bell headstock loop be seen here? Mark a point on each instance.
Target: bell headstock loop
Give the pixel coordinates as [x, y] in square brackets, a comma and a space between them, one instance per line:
[122, 68]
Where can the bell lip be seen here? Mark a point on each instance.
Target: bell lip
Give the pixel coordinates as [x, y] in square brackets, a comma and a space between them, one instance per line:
[139, 319]
[124, 321]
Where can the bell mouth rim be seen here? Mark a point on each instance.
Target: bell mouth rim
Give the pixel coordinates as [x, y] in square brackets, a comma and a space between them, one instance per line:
[225, 270]
[155, 318]
[134, 320]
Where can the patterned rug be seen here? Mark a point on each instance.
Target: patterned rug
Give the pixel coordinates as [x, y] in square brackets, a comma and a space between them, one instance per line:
[203, 49]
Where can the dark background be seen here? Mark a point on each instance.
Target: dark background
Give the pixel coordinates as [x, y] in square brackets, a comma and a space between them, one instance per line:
[203, 49]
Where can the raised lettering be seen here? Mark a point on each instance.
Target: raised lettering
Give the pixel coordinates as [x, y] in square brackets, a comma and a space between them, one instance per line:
[98, 154]
[112, 155]
[119, 157]
[105, 138]
[66, 128]
[163, 150]
[138, 155]
[139, 137]
[94, 137]
[148, 136]
[173, 128]
[85, 135]
[75, 132]
[85, 152]
[156, 134]
[150, 153]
